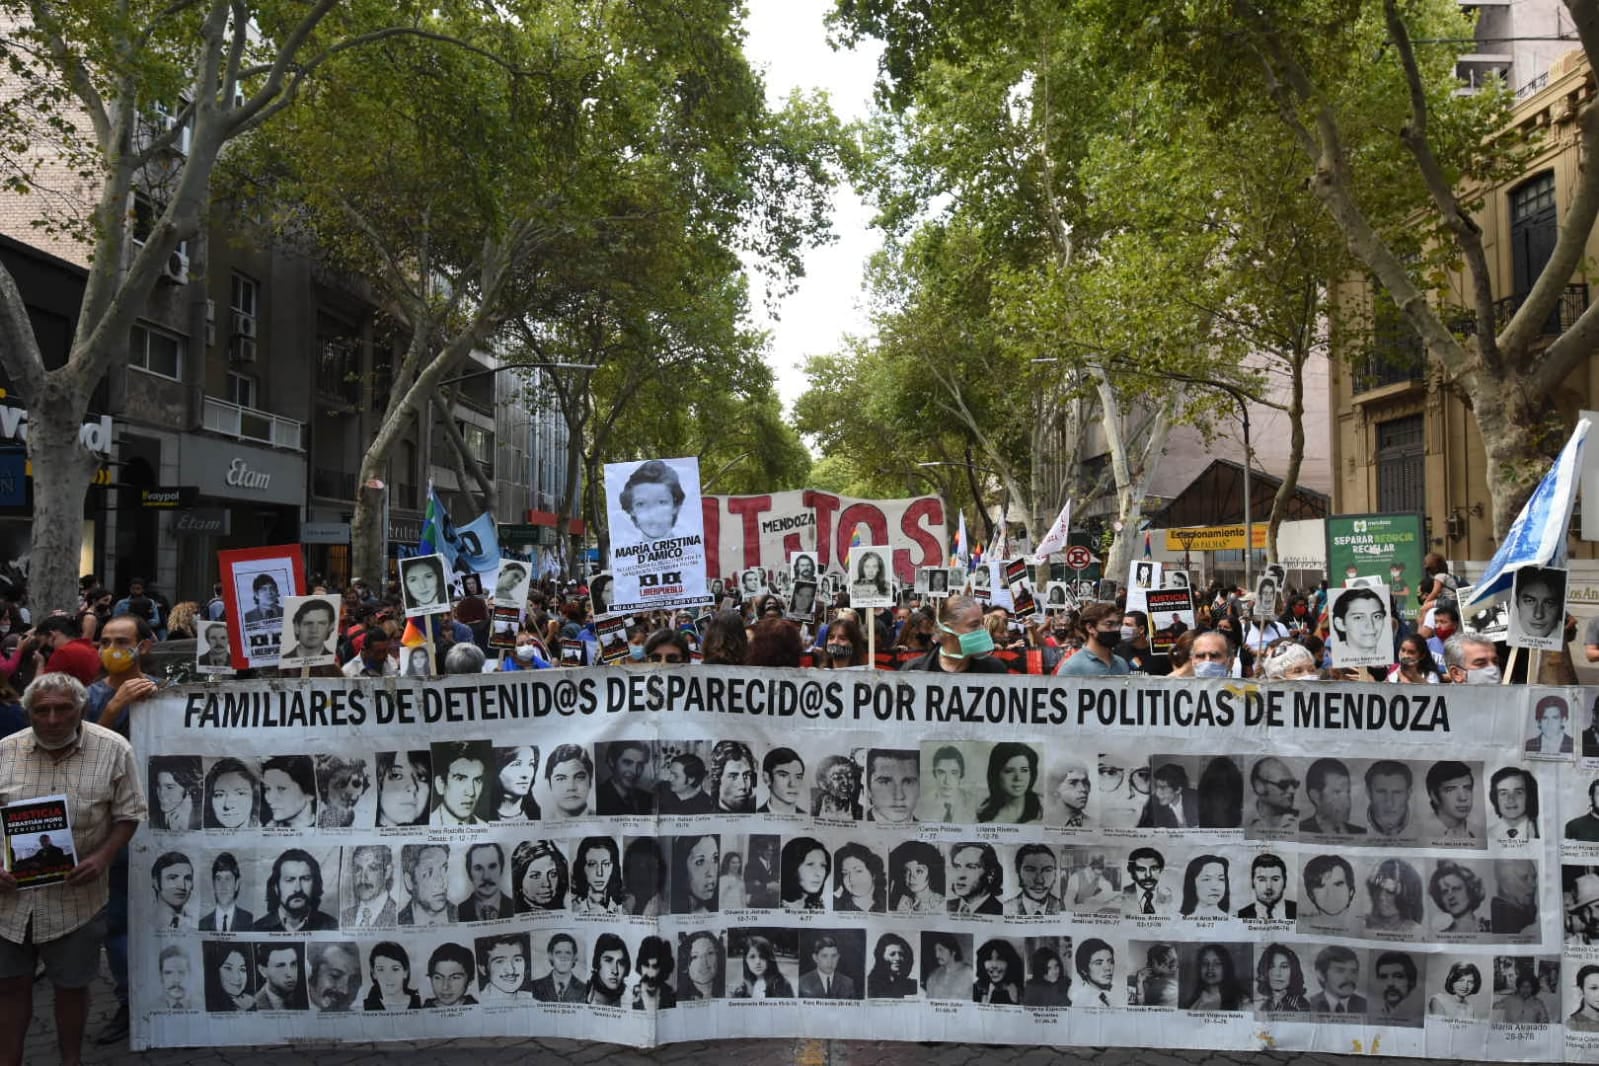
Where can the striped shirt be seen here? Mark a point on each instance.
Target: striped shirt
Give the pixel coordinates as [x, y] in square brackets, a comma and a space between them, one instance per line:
[101, 784]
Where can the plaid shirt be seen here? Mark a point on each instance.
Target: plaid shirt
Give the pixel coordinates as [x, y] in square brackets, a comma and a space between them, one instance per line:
[101, 784]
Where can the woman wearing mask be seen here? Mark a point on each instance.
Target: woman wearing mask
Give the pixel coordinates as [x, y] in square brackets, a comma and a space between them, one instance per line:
[1415, 666]
[528, 654]
[845, 648]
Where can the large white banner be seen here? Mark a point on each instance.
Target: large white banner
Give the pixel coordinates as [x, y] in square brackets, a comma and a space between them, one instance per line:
[657, 540]
[645, 856]
[766, 530]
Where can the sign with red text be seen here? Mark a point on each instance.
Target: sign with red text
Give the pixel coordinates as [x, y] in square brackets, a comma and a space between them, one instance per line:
[765, 530]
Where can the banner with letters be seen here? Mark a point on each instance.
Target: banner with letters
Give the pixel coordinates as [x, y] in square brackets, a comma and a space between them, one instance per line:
[765, 530]
[645, 856]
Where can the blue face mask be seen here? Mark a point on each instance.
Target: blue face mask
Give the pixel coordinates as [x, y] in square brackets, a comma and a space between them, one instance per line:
[635, 652]
[978, 642]
[1209, 668]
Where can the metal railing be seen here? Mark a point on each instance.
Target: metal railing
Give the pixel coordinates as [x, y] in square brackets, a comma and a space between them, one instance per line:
[249, 423]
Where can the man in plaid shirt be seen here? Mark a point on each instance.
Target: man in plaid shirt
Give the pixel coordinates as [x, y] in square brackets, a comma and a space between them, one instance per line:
[62, 924]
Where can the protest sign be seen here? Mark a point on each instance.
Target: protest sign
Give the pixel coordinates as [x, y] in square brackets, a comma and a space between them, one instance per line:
[657, 543]
[1171, 614]
[423, 590]
[1361, 634]
[1383, 846]
[37, 834]
[212, 652]
[310, 632]
[766, 529]
[1142, 575]
[255, 582]
[870, 584]
[1538, 608]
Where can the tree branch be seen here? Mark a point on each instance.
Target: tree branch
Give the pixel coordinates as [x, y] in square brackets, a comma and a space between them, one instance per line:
[1467, 233]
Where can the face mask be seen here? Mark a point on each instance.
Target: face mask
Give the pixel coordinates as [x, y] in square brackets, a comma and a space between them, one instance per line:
[838, 651]
[1129, 633]
[1408, 660]
[1062, 634]
[1444, 631]
[118, 660]
[977, 642]
[635, 652]
[1299, 610]
[525, 652]
[1209, 668]
[1486, 675]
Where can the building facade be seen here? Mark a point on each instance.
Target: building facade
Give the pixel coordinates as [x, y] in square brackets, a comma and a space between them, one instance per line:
[1403, 438]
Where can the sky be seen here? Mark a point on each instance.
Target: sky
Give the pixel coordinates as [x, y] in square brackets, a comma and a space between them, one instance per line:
[787, 42]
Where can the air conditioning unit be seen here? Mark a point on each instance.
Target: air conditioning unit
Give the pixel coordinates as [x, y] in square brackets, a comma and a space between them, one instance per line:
[241, 345]
[177, 266]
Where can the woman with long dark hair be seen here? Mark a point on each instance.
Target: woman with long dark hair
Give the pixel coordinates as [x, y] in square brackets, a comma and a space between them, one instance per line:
[1012, 779]
[806, 866]
[1217, 986]
[999, 974]
[761, 978]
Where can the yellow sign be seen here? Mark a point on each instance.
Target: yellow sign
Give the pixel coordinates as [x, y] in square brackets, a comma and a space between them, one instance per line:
[1214, 538]
[102, 476]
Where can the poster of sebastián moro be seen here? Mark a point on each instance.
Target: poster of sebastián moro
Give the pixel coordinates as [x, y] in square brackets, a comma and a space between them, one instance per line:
[657, 540]
[767, 529]
[1060, 901]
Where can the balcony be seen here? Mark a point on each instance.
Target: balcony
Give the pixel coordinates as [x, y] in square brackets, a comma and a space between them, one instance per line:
[1396, 356]
[248, 423]
[1572, 303]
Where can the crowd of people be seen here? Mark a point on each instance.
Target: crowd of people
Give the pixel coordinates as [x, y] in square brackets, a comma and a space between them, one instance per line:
[81, 672]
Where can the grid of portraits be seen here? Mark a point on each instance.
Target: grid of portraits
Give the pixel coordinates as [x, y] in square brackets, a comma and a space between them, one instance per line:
[1373, 890]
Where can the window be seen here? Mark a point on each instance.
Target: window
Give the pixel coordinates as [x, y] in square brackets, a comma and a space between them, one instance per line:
[1402, 464]
[478, 442]
[145, 212]
[241, 389]
[156, 352]
[245, 294]
[1532, 230]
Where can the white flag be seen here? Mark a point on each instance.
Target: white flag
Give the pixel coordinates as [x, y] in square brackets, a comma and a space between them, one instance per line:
[1055, 539]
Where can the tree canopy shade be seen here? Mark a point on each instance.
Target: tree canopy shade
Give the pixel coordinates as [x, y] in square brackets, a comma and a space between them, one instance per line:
[449, 152]
[1169, 238]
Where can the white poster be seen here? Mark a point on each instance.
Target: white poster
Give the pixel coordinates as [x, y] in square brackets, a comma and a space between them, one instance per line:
[1538, 608]
[510, 583]
[1142, 575]
[870, 582]
[212, 653]
[310, 632]
[1361, 634]
[1124, 862]
[657, 539]
[424, 589]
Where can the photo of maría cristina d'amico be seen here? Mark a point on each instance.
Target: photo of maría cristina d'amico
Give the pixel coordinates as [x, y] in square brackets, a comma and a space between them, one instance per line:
[657, 534]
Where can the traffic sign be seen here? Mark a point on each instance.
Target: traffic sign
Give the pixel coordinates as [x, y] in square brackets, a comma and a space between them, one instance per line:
[1079, 557]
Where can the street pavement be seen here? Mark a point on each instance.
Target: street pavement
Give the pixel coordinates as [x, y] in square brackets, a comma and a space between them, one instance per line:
[41, 1050]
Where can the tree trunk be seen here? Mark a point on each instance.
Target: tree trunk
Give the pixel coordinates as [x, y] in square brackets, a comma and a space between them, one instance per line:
[62, 473]
[1132, 485]
[467, 468]
[1511, 429]
[366, 537]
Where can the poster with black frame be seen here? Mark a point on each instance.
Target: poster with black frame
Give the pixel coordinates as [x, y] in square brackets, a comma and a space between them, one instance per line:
[1167, 885]
[657, 546]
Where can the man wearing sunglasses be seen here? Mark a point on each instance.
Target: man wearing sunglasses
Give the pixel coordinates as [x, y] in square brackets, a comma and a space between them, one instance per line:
[1274, 786]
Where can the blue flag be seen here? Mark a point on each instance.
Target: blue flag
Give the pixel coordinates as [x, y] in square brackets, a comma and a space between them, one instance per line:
[477, 544]
[1538, 535]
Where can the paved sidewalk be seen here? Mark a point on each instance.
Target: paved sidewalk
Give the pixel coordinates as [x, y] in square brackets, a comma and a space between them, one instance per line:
[41, 1050]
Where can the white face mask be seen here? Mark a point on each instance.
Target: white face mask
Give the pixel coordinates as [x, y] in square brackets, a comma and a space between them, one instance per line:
[1484, 675]
[525, 652]
[1209, 668]
[1129, 633]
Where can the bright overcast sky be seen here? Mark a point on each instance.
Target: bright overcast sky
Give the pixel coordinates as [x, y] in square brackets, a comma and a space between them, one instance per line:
[788, 42]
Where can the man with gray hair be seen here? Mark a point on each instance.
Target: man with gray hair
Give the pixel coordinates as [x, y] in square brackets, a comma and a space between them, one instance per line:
[1471, 660]
[62, 924]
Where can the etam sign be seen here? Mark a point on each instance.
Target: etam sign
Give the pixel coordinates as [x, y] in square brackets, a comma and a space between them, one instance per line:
[95, 436]
[764, 530]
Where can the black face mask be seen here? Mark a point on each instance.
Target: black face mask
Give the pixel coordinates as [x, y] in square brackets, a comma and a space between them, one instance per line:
[1108, 638]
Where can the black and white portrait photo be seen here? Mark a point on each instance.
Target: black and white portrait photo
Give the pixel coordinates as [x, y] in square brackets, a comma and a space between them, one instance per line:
[460, 771]
[404, 787]
[802, 601]
[212, 653]
[334, 975]
[344, 789]
[601, 594]
[310, 631]
[230, 981]
[627, 777]
[1361, 633]
[1550, 733]
[280, 975]
[802, 566]
[369, 888]
[1538, 608]
[175, 786]
[832, 963]
[937, 583]
[288, 789]
[297, 888]
[425, 873]
[503, 968]
[752, 584]
[424, 589]
[870, 580]
[511, 582]
[222, 912]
